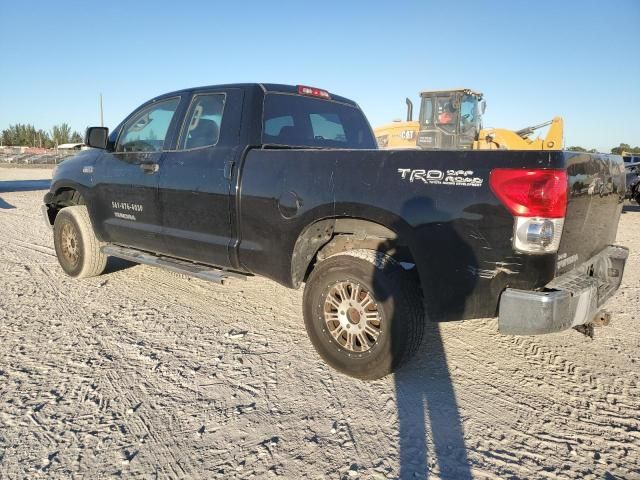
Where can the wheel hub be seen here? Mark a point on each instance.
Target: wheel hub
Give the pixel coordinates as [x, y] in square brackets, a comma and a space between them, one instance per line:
[352, 317]
[69, 240]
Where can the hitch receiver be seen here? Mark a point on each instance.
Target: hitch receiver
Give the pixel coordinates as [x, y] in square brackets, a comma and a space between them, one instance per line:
[600, 319]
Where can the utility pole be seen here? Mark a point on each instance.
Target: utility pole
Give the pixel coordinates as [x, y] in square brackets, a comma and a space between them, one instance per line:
[101, 113]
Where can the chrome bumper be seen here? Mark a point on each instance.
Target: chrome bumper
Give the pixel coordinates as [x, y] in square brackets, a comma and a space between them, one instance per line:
[568, 300]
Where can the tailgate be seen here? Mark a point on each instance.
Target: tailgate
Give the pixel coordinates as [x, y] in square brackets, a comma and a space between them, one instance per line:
[596, 195]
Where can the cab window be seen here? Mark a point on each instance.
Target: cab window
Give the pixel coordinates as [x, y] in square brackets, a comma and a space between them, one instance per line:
[446, 114]
[203, 121]
[426, 111]
[302, 121]
[469, 117]
[327, 126]
[446, 111]
[272, 126]
[146, 130]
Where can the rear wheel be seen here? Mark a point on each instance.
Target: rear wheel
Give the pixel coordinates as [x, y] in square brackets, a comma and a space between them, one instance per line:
[77, 248]
[363, 313]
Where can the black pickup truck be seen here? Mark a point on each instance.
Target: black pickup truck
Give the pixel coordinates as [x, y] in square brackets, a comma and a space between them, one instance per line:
[286, 182]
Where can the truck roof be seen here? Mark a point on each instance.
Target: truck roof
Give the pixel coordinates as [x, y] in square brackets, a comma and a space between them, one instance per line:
[265, 87]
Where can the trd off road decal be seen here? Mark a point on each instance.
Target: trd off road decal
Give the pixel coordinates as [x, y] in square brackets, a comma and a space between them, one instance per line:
[462, 178]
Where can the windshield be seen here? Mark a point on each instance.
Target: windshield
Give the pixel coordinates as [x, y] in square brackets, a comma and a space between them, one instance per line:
[296, 120]
[470, 118]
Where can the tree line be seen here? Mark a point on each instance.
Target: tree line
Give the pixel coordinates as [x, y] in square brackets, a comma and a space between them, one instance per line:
[623, 147]
[26, 135]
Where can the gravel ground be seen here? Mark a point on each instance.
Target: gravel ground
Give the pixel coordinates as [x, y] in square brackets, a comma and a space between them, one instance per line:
[141, 373]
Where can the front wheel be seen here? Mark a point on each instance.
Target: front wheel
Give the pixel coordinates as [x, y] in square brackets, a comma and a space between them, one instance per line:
[77, 248]
[363, 313]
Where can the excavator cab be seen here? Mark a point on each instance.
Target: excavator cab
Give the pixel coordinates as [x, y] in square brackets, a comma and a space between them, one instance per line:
[450, 119]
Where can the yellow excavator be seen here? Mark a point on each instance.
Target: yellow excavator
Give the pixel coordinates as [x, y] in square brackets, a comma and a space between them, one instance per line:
[452, 120]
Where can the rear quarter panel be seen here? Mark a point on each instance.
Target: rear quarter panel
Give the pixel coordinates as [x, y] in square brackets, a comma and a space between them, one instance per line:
[459, 234]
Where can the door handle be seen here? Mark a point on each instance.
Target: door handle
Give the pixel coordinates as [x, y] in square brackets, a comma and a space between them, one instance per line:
[228, 169]
[149, 167]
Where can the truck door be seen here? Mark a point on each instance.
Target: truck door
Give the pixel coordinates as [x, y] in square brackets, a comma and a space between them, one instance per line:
[196, 178]
[126, 178]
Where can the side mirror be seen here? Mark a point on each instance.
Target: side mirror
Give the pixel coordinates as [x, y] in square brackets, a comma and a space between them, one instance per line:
[96, 137]
[483, 107]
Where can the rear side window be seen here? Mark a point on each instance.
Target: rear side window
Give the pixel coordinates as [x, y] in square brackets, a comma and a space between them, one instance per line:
[297, 120]
[203, 120]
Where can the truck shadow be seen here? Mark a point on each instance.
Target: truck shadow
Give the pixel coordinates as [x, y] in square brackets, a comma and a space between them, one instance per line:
[430, 431]
[116, 264]
[5, 205]
[428, 414]
[24, 185]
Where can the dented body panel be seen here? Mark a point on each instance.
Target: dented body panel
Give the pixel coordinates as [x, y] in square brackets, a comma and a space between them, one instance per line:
[458, 233]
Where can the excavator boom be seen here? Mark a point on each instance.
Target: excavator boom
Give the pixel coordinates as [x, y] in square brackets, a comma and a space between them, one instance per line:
[502, 139]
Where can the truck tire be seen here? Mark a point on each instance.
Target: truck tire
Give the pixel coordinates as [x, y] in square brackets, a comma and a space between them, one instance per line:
[363, 313]
[77, 248]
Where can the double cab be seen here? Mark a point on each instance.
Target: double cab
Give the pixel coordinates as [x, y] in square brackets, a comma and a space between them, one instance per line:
[286, 182]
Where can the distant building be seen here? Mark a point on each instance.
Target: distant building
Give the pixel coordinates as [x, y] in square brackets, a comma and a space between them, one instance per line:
[71, 146]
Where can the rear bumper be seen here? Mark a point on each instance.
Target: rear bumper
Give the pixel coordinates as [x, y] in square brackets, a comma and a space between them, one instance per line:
[568, 300]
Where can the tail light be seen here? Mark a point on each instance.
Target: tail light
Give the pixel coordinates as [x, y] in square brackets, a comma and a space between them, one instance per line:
[537, 198]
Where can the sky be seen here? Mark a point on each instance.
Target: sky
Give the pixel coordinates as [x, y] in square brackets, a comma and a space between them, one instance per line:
[579, 59]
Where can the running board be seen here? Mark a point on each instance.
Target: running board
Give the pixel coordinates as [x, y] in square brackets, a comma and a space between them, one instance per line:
[184, 267]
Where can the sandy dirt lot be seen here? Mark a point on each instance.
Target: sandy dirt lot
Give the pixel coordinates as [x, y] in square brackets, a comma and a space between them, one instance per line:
[141, 373]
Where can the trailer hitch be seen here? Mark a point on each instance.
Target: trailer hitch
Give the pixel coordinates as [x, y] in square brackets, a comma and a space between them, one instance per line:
[600, 319]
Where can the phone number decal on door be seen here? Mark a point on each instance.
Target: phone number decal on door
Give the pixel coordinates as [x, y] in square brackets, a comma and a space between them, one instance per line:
[133, 207]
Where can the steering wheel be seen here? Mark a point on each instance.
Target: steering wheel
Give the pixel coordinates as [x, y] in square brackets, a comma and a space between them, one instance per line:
[139, 146]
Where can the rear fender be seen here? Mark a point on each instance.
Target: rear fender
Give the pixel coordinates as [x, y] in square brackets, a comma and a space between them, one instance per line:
[330, 236]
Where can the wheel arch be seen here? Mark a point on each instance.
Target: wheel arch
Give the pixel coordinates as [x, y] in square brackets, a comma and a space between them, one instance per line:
[330, 236]
[62, 196]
